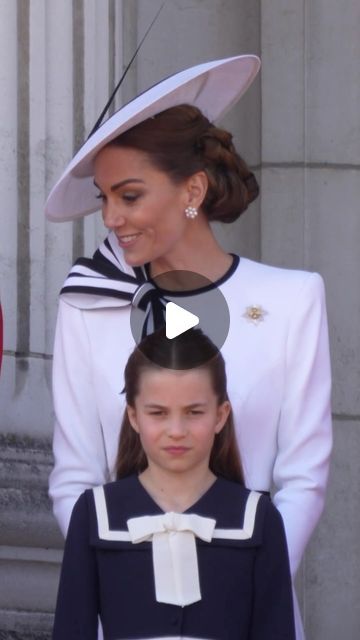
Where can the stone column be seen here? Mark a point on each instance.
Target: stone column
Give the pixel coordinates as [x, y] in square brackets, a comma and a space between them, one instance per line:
[58, 61]
[310, 219]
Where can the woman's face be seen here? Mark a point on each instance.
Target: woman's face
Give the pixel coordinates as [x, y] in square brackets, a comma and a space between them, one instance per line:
[141, 204]
[177, 417]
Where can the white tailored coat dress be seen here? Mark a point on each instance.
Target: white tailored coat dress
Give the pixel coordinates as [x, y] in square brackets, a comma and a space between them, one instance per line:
[278, 373]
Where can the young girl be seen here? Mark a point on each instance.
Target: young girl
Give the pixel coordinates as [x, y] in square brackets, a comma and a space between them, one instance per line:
[176, 547]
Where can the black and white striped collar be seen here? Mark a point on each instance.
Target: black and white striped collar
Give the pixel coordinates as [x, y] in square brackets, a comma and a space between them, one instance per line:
[105, 280]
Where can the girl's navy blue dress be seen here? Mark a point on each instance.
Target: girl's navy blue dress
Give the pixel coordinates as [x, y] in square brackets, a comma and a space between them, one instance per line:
[245, 584]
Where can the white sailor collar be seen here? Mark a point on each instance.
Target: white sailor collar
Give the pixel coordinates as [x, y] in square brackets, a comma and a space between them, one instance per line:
[238, 518]
[174, 539]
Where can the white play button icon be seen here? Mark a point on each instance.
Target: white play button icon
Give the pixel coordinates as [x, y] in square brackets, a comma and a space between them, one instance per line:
[175, 302]
[178, 320]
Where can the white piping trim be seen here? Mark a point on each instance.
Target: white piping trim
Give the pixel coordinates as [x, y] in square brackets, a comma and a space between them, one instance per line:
[249, 521]
[103, 521]
[105, 533]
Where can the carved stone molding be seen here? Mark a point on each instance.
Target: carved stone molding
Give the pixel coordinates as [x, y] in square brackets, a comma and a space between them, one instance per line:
[30, 543]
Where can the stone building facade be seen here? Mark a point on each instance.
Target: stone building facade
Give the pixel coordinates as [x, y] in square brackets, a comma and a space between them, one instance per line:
[298, 126]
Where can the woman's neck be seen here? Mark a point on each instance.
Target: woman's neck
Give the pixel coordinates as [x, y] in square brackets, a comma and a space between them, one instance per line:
[176, 491]
[200, 253]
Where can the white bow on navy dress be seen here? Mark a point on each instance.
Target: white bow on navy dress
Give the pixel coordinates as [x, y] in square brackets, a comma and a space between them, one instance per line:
[174, 552]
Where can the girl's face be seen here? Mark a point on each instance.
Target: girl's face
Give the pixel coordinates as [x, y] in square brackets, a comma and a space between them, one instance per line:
[177, 417]
[141, 204]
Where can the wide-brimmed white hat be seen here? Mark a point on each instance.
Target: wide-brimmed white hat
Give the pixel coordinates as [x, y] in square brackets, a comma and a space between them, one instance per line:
[214, 87]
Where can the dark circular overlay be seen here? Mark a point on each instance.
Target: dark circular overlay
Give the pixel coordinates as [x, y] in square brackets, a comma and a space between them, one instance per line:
[193, 293]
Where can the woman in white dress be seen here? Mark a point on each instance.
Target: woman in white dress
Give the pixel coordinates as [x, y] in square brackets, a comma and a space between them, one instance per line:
[161, 171]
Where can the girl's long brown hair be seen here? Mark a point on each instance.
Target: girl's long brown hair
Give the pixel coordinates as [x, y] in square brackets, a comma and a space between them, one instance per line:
[190, 349]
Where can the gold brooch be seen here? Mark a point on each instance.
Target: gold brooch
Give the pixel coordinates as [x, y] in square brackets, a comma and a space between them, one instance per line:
[255, 313]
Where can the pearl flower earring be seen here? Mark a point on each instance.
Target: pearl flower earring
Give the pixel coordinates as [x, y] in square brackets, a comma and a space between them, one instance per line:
[191, 212]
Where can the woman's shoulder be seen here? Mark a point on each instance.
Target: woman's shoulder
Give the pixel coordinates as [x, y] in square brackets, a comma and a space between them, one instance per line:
[275, 286]
[259, 272]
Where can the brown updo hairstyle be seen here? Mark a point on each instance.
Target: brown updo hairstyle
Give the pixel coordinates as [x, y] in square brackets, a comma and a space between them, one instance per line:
[181, 141]
[158, 353]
